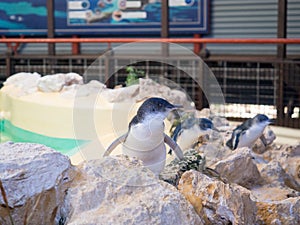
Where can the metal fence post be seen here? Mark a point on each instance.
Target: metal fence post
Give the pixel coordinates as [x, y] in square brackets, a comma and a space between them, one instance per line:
[51, 32]
[281, 55]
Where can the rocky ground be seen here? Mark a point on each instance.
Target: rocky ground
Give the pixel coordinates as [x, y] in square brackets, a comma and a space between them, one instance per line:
[213, 186]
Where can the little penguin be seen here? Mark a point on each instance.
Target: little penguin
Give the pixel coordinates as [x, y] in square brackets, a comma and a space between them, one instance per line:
[187, 132]
[248, 132]
[145, 138]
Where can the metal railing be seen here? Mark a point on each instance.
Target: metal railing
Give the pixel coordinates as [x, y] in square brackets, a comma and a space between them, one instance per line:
[249, 84]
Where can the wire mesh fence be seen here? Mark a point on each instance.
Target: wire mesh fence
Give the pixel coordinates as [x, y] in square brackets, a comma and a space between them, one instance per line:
[248, 87]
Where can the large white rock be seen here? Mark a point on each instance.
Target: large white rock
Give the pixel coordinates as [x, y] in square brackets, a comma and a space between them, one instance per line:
[289, 159]
[121, 94]
[279, 212]
[118, 190]
[275, 175]
[78, 90]
[277, 184]
[150, 88]
[217, 202]
[269, 136]
[35, 179]
[55, 83]
[239, 168]
[73, 78]
[25, 82]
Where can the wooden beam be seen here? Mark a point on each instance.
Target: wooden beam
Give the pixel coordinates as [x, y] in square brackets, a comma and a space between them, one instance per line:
[50, 26]
[164, 27]
[164, 19]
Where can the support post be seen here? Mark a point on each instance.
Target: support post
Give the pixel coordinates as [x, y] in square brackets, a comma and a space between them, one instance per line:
[110, 80]
[197, 46]
[9, 66]
[75, 47]
[281, 55]
[281, 27]
[165, 26]
[50, 25]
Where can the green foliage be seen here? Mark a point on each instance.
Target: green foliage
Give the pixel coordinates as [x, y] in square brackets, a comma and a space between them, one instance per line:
[173, 171]
[133, 75]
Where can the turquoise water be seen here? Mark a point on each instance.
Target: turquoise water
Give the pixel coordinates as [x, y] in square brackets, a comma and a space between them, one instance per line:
[9, 132]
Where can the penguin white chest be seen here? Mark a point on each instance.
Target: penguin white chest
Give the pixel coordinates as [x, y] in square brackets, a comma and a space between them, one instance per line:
[248, 138]
[188, 137]
[145, 141]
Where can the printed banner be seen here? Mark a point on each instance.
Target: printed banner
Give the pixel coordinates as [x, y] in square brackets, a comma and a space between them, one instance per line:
[102, 17]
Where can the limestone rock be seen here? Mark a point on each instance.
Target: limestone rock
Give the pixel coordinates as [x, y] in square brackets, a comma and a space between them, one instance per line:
[239, 168]
[23, 79]
[289, 159]
[51, 83]
[26, 82]
[277, 184]
[178, 97]
[55, 83]
[73, 78]
[150, 88]
[35, 179]
[78, 90]
[121, 94]
[269, 136]
[203, 113]
[214, 150]
[275, 175]
[279, 212]
[217, 202]
[220, 122]
[118, 190]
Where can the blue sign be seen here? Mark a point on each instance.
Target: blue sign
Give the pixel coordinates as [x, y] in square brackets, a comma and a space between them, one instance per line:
[102, 17]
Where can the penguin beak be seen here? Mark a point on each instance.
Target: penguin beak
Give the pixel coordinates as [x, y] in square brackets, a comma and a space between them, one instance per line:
[215, 129]
[271, 121]
[174, 109]
[177, 107]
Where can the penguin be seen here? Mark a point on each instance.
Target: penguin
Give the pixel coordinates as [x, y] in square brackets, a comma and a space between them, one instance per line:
[248, 132]
[145, 138]
[187, 132]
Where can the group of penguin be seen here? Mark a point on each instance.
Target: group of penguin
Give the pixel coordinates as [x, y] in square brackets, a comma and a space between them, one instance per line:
[146, 139]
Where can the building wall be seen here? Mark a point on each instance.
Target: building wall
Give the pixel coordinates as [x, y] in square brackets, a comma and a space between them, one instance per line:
[251, 19]
[229, 19]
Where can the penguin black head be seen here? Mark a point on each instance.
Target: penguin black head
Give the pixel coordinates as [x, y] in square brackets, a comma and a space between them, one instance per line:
[261, 118]
[205, 124]
[155, 107]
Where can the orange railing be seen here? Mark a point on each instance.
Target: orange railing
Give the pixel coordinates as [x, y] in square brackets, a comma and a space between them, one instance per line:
[174, 40]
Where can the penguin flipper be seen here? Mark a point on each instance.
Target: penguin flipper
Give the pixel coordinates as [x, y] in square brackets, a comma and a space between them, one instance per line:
[229, 144]
[178, 130]
[263, 140]
[177, 150]
[114, 144]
